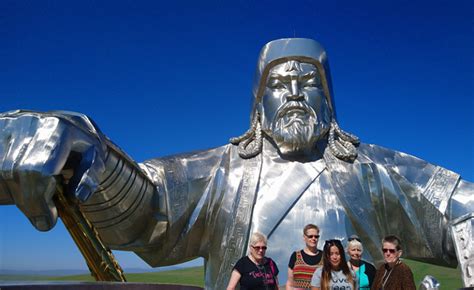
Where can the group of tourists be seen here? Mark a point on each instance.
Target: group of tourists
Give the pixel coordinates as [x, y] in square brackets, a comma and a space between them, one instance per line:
[311, 268]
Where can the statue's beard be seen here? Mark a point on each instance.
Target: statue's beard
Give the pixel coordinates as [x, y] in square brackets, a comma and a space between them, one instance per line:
[293, 128]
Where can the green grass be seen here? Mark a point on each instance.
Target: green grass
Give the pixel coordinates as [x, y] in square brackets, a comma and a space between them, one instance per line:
[190, 276]
[22, 277]
[448, 277]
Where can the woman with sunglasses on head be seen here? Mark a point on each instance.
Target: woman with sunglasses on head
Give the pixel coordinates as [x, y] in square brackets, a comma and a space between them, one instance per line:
[393, 274]
[255, 271]
[364, 271]
[335, 274]
[304, 262]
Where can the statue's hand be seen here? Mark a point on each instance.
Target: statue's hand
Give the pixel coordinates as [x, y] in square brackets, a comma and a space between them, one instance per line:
[41, 151]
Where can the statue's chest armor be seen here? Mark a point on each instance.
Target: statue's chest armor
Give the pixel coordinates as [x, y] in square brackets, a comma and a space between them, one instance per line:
[291, 195]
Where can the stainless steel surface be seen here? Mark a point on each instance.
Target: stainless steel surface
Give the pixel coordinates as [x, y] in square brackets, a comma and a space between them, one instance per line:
[206, 203]
[463, 234]
[429, 283]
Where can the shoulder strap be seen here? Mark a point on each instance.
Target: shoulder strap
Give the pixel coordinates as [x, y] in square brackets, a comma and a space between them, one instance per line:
[298, 255]
[272, 267]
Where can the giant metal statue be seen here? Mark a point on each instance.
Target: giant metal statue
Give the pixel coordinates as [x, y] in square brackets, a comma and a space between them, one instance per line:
[292, 167]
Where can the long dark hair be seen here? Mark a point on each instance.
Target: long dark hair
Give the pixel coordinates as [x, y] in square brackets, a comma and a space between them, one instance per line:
[327, 267]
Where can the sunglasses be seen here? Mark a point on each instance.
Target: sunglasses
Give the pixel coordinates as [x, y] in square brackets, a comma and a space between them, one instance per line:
[257, 248]
[312, 236]
[391, 251]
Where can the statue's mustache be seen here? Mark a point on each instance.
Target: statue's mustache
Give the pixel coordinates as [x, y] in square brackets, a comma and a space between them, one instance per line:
[294, 107]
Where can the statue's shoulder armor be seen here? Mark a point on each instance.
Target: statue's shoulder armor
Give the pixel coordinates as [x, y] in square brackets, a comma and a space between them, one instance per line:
[192, 156]
[435, 183]
[385, 156]
[187, 166]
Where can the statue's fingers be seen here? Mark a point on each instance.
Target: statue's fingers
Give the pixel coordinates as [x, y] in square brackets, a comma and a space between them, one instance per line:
[36, 199]
[36, 168]
[15, 137]
[90, 169]
[48, 149]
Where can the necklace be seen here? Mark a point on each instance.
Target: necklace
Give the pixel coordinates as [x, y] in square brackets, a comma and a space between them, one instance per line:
[255, 261]
[387, 273]
[261, 270]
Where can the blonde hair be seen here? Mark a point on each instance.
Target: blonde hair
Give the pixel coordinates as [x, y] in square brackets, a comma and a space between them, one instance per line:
[257, 237]
[355, 244]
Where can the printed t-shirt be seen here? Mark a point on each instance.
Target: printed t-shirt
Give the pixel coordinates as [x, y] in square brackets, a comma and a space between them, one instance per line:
[255, 277]
[338, 280]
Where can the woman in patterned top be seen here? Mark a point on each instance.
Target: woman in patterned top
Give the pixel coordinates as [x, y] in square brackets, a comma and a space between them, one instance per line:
[304, 262]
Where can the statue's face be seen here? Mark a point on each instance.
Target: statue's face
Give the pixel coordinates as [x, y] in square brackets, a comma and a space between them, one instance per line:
[294, 109]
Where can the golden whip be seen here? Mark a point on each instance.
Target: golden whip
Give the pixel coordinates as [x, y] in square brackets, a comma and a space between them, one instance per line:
[98, 256]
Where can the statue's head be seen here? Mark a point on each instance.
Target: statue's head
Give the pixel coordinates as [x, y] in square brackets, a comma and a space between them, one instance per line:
[293, 104]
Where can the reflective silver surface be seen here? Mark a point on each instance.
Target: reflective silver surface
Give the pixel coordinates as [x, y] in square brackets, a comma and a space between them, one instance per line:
[429, 283]
[205, 204]
[463, 234]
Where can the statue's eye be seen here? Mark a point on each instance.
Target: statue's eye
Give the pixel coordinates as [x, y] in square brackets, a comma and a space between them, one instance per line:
[311, 83]
[276, 84]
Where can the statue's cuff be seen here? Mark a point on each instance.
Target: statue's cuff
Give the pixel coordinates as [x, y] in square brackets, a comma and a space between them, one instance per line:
[462, 230]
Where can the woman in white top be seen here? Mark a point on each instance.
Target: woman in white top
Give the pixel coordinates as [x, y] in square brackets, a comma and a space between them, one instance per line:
[335, 274]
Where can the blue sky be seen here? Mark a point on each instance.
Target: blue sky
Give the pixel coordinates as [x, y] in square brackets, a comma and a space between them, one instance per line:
[162, 78]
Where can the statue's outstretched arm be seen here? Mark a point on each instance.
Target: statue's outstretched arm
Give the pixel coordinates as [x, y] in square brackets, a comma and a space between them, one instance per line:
[441, 206]
[42, 151]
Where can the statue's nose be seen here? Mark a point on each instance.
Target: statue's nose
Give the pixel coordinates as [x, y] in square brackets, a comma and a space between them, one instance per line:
[295, 93]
